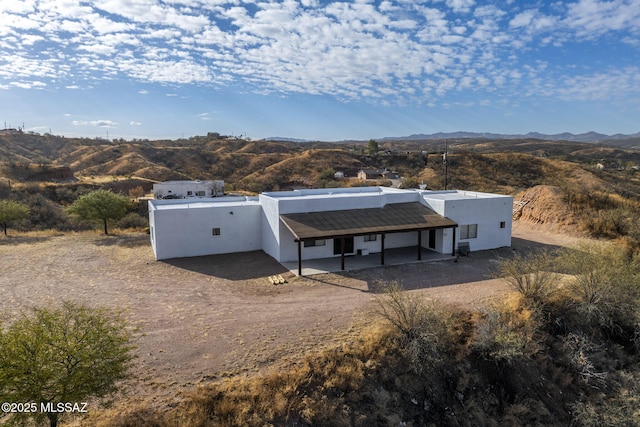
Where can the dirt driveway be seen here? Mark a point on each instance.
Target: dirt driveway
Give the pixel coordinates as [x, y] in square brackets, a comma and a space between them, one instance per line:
[207, 317]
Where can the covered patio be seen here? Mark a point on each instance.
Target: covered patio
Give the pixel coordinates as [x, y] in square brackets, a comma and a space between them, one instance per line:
[394, 256]
[342, 225]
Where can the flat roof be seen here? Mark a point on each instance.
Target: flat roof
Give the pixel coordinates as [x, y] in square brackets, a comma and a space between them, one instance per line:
[392, 218]
[322, 193]
[458, 195]
[200, 203]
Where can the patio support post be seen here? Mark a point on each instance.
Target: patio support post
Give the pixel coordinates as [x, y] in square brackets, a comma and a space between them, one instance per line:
[381, 248]
[453, 244]
[299, 257]
[342, 253]
[419, 245]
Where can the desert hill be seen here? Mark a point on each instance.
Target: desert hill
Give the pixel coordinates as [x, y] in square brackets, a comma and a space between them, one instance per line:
[476, 369]
[583, 175]
[246, 164]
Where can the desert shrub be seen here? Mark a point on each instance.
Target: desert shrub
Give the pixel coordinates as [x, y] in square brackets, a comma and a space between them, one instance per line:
[507, 332]
[136, 191]
[133, 220]
[619, 408]
[605, 288]
[424, 327]
[579, 349]
[44, 214]
[410, 182]
[610, 223]
[531, 276]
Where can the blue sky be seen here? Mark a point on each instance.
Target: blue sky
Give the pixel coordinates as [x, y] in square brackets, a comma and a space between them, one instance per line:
[326, 70]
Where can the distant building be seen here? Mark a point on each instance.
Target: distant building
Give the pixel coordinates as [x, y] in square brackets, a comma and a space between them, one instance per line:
[370, 173]
[9, 131]
[338, 175]
[365, 174]
[188, 189]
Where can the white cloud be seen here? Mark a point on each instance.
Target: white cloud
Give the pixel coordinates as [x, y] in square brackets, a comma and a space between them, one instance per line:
[460, 5]
[96, 123]
[28, 85]
[613, 84]
[590, 18]
[134, 123]
[399, 50]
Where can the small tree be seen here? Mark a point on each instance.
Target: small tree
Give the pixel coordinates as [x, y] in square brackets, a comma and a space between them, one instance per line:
[63, 355]
[12, 211]
[373, 147]
[101, 205]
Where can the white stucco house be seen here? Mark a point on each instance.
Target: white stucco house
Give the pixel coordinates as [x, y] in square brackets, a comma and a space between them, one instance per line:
[187, 189]
[331, 222]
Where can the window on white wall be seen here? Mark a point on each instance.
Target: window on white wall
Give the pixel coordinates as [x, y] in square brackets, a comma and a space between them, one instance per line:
[503, 224]
[370, 237]
[312, 243]
[469, 231]
[200, 193]
[215, 232]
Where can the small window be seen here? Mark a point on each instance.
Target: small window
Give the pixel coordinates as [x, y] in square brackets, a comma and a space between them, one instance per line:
[370, 237]
[312, 243]
[189, 193]
[503, 224]
[215, 232]
[200, 193]
[469, 231]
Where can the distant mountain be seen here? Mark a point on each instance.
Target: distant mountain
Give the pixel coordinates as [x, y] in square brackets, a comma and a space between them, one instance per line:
[566, 136]
[284, 139]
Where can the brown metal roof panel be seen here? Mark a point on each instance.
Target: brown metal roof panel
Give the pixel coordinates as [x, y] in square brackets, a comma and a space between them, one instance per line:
[391, 218]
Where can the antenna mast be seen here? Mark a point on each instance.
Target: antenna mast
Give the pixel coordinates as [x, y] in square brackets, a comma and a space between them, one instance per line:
[444, 160]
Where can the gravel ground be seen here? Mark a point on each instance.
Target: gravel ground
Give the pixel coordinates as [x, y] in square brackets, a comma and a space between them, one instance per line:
[208, 317]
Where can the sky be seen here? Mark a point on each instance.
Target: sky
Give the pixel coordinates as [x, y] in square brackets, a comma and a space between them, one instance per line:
[318, 70]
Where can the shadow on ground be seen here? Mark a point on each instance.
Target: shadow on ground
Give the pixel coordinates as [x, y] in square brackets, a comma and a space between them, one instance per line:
[476, 267]
[124, 240]
[237, 266]
[24, 240]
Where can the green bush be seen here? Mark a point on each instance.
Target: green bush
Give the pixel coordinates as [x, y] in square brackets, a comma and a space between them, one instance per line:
[133, 220]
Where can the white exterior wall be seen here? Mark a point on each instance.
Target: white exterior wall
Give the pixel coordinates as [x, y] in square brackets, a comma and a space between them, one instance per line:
[180, 228]
[484, 209]
[280, 242]
[270, 221]
[187, 231]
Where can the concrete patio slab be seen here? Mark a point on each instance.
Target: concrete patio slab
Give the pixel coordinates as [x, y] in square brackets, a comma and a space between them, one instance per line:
[395, 256]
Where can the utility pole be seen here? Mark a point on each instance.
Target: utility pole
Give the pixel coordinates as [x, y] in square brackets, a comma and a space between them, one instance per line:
[444, 161]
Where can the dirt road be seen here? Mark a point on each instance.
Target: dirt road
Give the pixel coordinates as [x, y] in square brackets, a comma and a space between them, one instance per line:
[207, 317]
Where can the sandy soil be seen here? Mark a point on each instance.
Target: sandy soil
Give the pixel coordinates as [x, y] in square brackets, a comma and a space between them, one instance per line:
[208, 317]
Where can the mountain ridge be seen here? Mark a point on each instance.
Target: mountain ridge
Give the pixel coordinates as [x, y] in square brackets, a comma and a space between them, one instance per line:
[590, 137]
[565, 136]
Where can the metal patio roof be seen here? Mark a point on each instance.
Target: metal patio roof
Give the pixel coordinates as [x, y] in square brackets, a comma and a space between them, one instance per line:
[392, 218]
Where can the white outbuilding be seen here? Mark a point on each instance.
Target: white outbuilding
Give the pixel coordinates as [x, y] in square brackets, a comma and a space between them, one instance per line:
[188, 189]
[332, 222]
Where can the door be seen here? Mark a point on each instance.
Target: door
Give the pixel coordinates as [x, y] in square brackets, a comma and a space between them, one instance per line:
[348, 246]
[432, 239]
